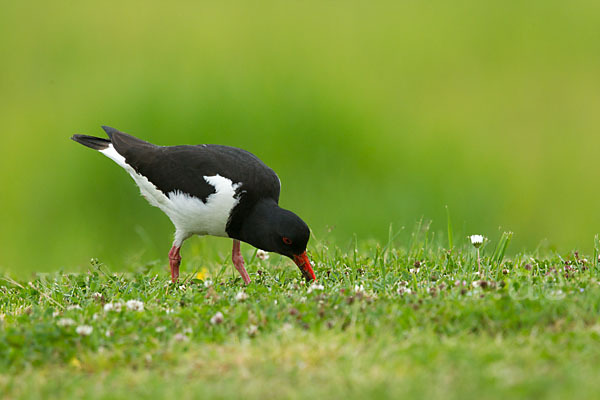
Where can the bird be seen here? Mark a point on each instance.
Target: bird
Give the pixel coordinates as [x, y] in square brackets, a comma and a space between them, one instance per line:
[210, 189]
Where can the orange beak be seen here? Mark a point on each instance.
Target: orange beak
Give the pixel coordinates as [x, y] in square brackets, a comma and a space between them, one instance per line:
[303, 263]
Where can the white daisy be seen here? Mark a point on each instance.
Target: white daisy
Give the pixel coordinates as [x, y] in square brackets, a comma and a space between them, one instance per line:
[84, 330]
[476, 240]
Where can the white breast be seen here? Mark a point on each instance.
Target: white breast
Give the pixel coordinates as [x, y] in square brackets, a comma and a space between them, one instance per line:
[189, 214]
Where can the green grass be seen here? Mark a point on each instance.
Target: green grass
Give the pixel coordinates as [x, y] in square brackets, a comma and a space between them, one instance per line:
[389, 321]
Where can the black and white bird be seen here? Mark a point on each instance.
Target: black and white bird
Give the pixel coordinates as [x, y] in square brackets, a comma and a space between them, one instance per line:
[210, 189]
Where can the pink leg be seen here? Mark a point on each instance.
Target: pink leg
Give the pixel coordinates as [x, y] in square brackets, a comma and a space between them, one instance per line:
[174, 261]
[238, 261]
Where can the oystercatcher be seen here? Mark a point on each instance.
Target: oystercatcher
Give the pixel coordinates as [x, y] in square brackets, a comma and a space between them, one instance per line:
[210, 189]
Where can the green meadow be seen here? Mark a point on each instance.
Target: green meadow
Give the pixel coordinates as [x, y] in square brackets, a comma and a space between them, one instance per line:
[382, 322]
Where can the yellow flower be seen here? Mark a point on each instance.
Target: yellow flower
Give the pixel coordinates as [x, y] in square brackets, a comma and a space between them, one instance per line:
[75, 363]
[202, 275]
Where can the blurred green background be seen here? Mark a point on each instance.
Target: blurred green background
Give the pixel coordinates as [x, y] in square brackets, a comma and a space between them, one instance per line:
[372, 112]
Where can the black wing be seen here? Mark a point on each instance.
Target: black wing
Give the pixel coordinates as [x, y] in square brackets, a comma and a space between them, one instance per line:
[183, 168]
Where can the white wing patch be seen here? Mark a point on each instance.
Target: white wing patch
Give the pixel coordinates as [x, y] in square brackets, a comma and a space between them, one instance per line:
[189, 214]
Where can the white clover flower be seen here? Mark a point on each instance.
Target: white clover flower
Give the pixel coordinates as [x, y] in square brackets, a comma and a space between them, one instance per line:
[84, 330]
[252, 330]
[241, 296]
[217, 318]
[476, 240]
[359, 288]
[73, 307]
[261, 254]
[97, 296]
[208, 283]
[135, 305]
[315, 286]
[65, 322]
[404, 290]
[180, 337]
[116, 307]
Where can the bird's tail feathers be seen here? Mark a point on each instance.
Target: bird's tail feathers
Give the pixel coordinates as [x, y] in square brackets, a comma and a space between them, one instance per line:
[93, 142]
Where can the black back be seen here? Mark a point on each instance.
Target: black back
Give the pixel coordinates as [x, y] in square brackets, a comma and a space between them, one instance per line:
[183, 168]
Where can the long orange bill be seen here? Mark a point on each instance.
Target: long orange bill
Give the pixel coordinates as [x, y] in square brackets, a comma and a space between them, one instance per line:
[303, 263]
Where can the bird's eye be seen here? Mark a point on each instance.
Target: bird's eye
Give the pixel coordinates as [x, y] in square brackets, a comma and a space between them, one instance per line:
[287, 240]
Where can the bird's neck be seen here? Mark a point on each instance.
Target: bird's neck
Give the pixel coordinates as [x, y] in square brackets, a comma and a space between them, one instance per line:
[257, 226]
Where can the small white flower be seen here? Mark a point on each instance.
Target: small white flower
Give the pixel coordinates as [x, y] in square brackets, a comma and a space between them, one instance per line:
[252, 330]
[475, 283]
[359, 289]
[116, 307]
[108, 333]
[55, 313]
[208, 283]
[404, 290]
[169, 311]
[74, 307]
[181, 287]
[65, 322]
[180, 337]
[476, 240]
[135, 305]
[241, 296]
[97, 296]
[275, 301]
[414, 270]
[84, 330]
[315, 286]
[160, 329]
[217, 318]
[261, 254]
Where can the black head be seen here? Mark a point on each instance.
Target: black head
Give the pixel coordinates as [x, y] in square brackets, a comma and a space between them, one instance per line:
[272, 228]
[289, 233]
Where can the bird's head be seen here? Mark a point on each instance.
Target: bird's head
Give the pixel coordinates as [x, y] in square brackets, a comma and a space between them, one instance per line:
[277, 230]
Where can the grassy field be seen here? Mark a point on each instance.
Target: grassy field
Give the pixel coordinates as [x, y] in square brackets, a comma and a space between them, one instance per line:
[383, 321]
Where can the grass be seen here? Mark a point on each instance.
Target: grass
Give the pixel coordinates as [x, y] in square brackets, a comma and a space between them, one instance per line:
[384, 321]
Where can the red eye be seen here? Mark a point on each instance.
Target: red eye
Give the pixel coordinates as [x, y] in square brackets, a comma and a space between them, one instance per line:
[287, 240]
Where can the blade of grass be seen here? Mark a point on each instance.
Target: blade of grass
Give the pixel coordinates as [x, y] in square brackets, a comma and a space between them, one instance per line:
[450, 232]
